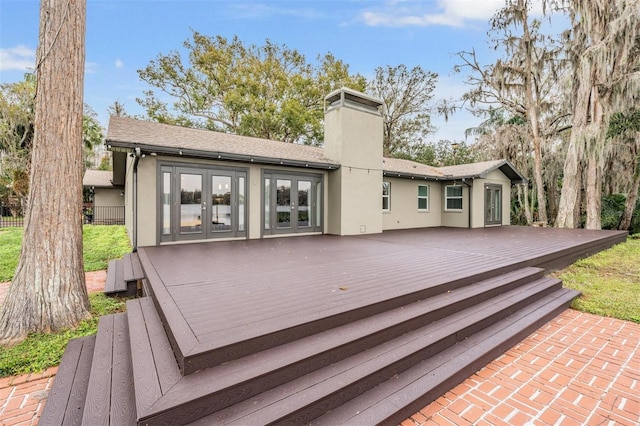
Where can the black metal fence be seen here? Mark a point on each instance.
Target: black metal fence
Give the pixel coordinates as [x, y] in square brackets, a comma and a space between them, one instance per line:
[97, 215]
[8, 218]
[104, 215]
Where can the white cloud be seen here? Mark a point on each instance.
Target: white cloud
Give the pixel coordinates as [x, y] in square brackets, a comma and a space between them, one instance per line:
[90, 67]
[19, 58]
[119, 63]
[454, 13]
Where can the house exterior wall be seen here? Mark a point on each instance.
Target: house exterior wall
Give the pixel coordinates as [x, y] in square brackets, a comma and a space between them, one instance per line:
[148, 215]
[147, 202]
[495, 177]
[456, 219]
[353, 138]
[361, 212]
[404, 212]
[109, 197]
[128, 197]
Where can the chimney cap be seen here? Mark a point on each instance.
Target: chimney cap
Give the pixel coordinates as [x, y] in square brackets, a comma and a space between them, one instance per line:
[346, 94]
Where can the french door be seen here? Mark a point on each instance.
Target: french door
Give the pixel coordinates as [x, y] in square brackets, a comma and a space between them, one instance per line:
[291, 203]
[202, 203]
[492, 204]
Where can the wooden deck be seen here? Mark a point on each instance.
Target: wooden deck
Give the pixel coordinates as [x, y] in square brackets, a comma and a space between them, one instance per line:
[315, 330]
[217, 296]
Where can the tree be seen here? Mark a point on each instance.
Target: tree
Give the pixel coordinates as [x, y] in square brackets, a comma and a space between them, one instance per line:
[603, 47]
[267, 91]
[626, 128]
[17, 124]
[406, 96]
[524, 83]
[117, 109]
[91, 135]
[16, 137]
[421, 152]
[48, 291]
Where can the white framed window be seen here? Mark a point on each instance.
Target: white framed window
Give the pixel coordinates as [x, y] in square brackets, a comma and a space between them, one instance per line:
[386, 196]
[423, 198]
[453, 198]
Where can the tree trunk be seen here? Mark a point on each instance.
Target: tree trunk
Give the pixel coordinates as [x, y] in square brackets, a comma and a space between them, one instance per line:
[527, 207]
[532, 113]
[594, 193]
[48, 291]
[632, 199]
[570, 194]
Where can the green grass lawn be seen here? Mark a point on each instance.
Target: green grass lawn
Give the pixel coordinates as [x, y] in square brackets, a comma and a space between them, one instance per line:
[39, 351]
[609, 282]
[101, 244]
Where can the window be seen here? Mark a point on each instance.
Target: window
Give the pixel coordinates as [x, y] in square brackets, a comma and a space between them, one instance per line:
[386, 196]
[423, 197]
[453, 198]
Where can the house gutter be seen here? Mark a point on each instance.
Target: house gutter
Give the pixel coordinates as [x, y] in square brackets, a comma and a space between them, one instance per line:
[137, 155]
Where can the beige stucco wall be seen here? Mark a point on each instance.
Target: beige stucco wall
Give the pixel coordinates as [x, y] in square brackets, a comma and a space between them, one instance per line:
[495, 177]
[334, 203]
[404, 213]
[353, 138]
[147, 194]
[147, 201]
[455, 219]
[128, 197]
[108, 197]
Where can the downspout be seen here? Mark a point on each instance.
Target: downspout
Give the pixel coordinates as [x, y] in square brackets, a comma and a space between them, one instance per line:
[136, 160]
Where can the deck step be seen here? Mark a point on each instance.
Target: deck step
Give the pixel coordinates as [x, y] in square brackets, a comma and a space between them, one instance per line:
[223, 354]
[233, 381]
[111, 282]
[65, 403]
[132, 268]
[302, 400]
[404, 394]
[219, 387]
[154, 364]
[110, 398]
[121, 278]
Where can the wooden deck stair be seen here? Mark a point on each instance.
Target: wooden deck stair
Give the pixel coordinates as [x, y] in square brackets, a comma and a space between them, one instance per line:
[124, 276]
[372, 361]
[376, 365]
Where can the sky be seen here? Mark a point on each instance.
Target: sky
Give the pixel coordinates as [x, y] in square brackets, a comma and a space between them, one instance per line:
[123, 36]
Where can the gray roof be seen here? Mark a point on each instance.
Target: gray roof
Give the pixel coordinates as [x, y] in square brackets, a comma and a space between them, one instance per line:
[98, 178]
[174, 140]
[408, 168]
[128, 133]
[481, 169]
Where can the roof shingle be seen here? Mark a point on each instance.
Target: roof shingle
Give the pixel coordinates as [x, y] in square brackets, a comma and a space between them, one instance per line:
[130, 133]
[98, 178]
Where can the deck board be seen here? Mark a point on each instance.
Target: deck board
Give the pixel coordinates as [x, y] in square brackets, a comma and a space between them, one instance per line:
[218, 294]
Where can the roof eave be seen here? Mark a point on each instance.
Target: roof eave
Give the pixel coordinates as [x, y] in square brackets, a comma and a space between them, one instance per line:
[414, 176]
[114, 145]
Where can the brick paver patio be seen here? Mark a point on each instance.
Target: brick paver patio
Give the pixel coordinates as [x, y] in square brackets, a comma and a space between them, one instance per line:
[579, 369]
